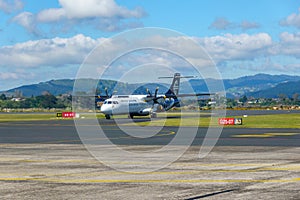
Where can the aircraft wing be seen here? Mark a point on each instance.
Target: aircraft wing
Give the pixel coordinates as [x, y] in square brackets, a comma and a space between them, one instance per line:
[102, 97]
[153, 98]
[97, 97]
[188, 95]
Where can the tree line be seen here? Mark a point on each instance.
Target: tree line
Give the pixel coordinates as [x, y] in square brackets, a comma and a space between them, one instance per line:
[46, 101]
[49, 101]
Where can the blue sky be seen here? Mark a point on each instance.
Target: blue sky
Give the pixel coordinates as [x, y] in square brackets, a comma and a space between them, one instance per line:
[50, 39]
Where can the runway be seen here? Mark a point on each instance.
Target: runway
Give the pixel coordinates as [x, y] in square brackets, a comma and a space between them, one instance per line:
[46, 160]
[64, 132]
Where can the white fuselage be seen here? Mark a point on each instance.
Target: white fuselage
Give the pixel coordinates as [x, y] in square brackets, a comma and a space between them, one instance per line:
[127, 104]
[141, 105]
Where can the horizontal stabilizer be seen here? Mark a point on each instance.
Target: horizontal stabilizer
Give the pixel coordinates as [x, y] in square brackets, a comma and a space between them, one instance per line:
[162, 77]
[192, 95]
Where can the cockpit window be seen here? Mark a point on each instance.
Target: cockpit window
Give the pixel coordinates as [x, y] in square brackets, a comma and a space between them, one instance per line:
[111, 102]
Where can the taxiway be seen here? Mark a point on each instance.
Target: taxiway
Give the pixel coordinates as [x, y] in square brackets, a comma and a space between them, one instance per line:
[47, 160]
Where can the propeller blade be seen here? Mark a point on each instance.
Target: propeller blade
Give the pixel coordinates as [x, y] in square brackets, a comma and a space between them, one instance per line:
[149, 93]
[106, 92]
[114, 92]
[156, 91]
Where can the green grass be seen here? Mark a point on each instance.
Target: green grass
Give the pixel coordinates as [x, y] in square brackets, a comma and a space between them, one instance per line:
[26, 117]
[8, 117]
[272, 121]
[174, 119]
[257, 121]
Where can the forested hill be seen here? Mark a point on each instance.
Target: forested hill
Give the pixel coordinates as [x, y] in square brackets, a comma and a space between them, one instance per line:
[83, 86]
[287, 89]
[260, 85]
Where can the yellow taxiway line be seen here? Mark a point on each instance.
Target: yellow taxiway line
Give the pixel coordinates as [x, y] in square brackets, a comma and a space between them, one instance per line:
[264, 135]
[53, 180]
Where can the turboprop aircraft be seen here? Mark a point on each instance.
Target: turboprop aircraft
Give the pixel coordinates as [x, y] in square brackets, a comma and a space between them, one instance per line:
[143, 105]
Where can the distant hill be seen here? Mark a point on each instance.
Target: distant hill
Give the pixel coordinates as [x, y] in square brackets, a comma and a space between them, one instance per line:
[288, 88]
[250, 84]
[260, 85]
[245, 85]
[84, 86]
[55, 87]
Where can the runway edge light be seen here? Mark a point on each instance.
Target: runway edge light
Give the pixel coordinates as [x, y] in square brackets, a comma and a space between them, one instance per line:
[59, 115]
[66, 115]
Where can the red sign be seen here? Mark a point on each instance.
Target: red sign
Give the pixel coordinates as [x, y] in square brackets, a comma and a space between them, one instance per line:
[68, 114]
[226, 121]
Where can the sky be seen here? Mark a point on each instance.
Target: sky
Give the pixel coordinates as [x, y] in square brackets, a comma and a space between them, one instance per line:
[51, 39]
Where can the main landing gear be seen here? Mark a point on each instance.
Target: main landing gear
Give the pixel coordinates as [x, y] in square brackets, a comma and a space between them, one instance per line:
[153, 115]
[130, 116]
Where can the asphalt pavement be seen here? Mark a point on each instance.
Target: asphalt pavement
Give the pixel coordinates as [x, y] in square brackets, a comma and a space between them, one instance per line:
[47, 160]
[64, 132]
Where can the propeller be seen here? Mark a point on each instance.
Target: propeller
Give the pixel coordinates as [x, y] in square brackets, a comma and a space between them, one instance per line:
[106, 96]
[106, 92]
[154, 98]
[155, 93]
[149, 93]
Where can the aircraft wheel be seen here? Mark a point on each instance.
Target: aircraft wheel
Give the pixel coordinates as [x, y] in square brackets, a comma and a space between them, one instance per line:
[130, 116]
[153, 115]
[107, 116]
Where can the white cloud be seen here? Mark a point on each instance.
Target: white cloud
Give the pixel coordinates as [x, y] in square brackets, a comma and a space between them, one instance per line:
[237, 47]
[245, 25]
[257, 53]
[290, 38]
[222, 49]
[27, 20]
[8, 76]
[59, 52]
[289, 44]
[17, 74]
[51, 15]
[222, 23]
[56, 52]
[9, 6]
[65, 55]
[292, 20]
[105, 15]
[78, 9]
[282, 64]
[83, 9]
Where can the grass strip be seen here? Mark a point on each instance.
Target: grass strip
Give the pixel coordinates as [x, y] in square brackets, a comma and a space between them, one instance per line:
[179, 119]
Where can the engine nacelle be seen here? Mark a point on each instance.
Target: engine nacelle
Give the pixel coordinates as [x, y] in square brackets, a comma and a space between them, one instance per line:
[168, 103]
[145, 111]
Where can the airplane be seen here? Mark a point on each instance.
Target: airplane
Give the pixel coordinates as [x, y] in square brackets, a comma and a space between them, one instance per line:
[143, 105]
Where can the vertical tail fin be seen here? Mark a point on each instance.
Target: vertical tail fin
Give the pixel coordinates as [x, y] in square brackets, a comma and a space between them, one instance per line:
[174, 88]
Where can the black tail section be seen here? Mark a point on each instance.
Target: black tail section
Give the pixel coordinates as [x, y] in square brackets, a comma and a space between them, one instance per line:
[174, 88]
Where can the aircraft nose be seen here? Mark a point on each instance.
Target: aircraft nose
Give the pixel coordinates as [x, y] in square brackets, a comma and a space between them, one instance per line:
[106, 109]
